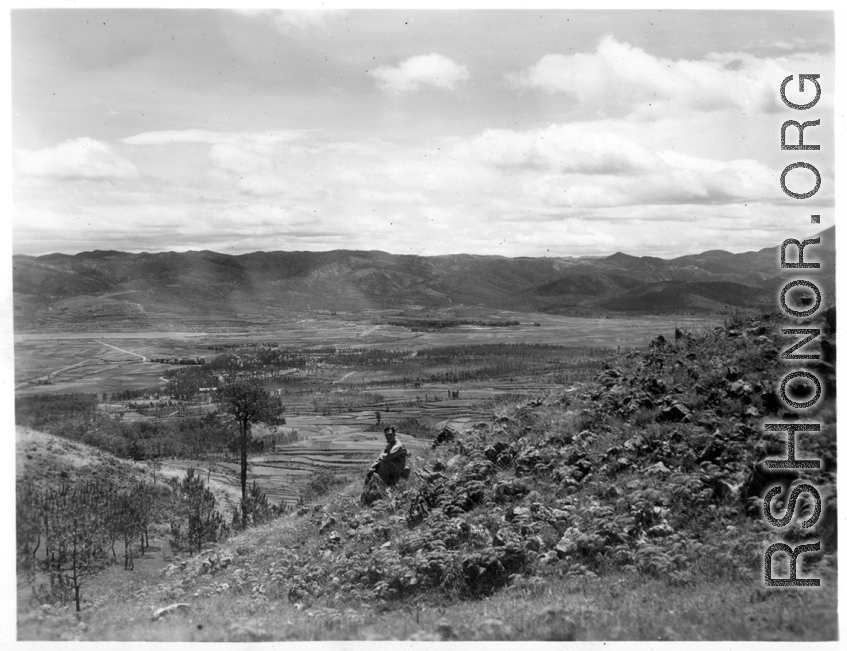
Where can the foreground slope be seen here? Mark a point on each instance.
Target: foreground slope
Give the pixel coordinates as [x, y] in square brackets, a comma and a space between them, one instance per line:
[624, 508]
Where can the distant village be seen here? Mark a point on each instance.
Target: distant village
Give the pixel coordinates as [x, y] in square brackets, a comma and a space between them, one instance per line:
[179, 360]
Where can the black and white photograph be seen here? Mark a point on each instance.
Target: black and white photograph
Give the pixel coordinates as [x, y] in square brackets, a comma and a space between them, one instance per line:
[464, 323]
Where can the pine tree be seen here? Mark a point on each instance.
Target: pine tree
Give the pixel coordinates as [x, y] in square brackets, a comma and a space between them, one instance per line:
[249, 403]
[203, 520]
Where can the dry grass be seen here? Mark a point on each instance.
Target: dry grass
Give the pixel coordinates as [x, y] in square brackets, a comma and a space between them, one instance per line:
[617, 607]
[249, 599]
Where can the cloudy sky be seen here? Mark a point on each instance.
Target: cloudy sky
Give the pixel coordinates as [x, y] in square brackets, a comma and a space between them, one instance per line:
[493, 132]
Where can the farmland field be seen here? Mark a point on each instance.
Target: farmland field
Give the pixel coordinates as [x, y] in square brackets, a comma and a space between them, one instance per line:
[336, 397]
[94, 361]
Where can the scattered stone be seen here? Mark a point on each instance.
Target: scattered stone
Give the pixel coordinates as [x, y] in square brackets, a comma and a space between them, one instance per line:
[675, 413]
[326, 524]
[522, 513]
[565, 547]
[445, 436]
[504, 536]
[658, 468]
[534, 544]
[170, 610]
[612, 452]
[740, 388]
[660, 530]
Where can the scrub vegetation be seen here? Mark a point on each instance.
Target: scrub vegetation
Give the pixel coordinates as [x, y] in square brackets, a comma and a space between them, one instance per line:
[626, 506]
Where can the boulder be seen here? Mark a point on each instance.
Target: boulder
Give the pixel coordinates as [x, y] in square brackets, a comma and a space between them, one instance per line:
[534, 544]
[675, 413]
[658, 468]
[504, 536]
[445, 436]
[565, 547]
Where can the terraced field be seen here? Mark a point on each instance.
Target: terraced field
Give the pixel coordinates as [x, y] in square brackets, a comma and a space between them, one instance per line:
[323, 402]
[283, 474]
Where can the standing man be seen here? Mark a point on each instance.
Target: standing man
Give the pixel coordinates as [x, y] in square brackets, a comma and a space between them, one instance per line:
[391, 464]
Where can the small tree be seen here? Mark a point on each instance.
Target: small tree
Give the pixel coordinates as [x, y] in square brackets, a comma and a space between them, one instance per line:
[249, 403]
[203, 520]
[257, 508]
[76, 522]
[85, 553]
[155, 465]
[125, 525]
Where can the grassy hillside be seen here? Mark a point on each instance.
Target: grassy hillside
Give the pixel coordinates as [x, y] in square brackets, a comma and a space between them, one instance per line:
[624, 508]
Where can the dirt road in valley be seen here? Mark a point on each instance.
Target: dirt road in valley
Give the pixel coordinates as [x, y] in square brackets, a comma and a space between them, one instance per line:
[128, 352]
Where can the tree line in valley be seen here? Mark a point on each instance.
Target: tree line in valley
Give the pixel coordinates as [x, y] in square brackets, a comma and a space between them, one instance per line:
[286, 369]
[77, 417]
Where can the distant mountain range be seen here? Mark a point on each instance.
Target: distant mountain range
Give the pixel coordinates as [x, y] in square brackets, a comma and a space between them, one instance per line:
[143, 288]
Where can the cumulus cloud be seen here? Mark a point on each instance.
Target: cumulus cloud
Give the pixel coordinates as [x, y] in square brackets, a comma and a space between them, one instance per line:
[240, 161]
[586, 166]
[580, 188]
[430, 69]
[79, 158]
[626, 77]
[565, 148]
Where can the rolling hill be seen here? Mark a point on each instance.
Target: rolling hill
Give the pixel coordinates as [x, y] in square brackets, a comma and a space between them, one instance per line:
[144, 288]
